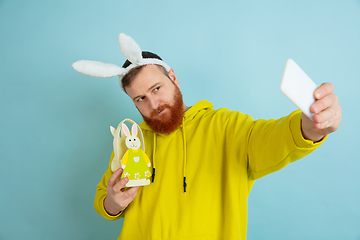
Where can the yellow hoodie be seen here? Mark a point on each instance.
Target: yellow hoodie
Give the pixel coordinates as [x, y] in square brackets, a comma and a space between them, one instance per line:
[204, 173]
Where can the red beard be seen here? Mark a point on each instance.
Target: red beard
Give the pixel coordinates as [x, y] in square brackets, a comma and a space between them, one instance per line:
[169, 121]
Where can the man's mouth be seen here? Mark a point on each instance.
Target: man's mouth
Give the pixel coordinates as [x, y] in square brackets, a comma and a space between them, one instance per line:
[160, 111]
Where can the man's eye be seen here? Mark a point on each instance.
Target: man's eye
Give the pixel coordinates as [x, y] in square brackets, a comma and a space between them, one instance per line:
[157, 89]
[141, 99]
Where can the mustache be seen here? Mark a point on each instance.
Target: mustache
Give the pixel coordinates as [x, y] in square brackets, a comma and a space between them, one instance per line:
[159, 109]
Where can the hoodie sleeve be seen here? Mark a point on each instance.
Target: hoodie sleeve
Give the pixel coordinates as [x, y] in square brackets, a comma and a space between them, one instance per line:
[273, 144]
[101, 194]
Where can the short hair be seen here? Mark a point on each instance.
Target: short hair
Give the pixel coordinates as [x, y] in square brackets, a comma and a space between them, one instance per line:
[126, 80]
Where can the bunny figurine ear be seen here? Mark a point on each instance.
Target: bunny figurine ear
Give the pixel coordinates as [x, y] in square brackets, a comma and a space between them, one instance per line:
[112, 130]
[134, 130]
[125, 130]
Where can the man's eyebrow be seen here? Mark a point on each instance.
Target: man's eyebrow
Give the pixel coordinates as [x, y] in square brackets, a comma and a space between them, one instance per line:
[153, 86]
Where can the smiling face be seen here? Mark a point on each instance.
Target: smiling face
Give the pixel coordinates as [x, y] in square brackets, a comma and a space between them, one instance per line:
[158, 98]
[132, 142]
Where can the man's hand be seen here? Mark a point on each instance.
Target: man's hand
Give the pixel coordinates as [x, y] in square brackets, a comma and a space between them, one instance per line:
[117, 197]
[327, 116]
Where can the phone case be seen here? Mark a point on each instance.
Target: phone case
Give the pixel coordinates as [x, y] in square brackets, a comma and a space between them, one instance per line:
[298, 87]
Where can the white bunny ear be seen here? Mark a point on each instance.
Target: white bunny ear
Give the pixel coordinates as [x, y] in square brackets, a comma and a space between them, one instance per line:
[129, 48]
[125, 130]
[98, 69]
[112, 130]
[134, 130]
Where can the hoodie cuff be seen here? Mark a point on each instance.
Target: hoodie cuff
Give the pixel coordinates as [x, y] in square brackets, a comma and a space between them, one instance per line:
[107, 216]
[295, 128]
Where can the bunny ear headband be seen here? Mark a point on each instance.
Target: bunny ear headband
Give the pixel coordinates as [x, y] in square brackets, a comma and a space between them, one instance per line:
[130, 49]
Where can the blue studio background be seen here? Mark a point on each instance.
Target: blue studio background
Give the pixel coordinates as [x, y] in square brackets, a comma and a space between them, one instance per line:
[55, 141]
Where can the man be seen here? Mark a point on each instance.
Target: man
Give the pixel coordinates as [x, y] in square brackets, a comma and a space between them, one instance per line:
[206, 160]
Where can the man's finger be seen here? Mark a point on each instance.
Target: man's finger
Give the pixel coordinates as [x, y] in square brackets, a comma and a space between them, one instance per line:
[120, 185]
[323, 103]
[114, 176]
[131, 195]
[323, 90]
[131, 191]
[324, 116]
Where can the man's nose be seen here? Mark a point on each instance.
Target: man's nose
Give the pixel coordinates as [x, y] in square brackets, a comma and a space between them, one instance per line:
[154, 102]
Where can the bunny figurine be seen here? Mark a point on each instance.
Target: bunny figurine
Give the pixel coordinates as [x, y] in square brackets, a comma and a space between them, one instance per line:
[135, 162]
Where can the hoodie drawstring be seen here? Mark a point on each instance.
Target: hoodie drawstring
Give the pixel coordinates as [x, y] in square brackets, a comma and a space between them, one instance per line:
[184, 157]
[153, 173]
[185, 154]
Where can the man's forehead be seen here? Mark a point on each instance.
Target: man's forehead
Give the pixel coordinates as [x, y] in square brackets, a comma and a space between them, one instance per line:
[145, 80]
[147, 77]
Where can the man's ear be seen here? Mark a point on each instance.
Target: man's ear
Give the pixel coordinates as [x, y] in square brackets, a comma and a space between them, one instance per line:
[173, 77]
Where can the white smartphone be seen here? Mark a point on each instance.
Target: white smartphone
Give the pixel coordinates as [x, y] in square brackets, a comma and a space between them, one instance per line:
[298, 87]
